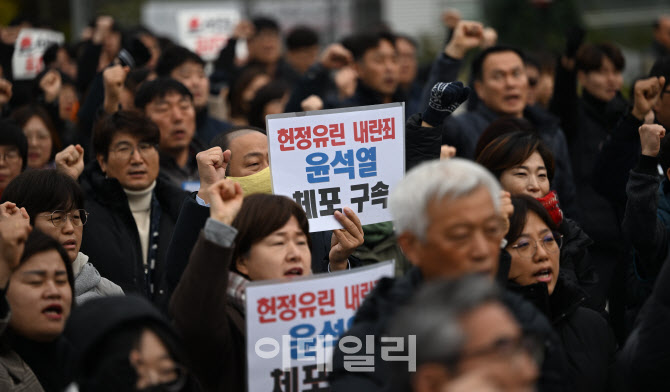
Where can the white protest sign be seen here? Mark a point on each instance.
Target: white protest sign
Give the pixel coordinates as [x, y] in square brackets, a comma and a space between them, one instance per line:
[328, 159]
[28, 50]
[292, 327]
[205, 31]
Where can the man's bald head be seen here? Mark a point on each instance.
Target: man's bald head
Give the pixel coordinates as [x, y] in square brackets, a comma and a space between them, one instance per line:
[249, 150]
[662, 31]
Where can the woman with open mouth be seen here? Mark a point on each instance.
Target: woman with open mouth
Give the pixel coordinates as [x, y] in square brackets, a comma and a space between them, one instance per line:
[55, 204]
[512, 151]
[534, 245]
[263, 237]
[34, 306]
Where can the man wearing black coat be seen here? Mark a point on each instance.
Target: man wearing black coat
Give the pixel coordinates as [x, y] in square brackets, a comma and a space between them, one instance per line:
[132, 209]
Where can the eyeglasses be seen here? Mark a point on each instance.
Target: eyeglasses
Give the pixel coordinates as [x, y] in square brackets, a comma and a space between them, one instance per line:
[58, 217]
[508, 347]
[550, 242]
[125, 151]
[11, 156]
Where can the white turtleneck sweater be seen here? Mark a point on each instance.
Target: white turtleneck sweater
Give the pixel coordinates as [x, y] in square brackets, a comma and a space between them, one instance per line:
[140, 206]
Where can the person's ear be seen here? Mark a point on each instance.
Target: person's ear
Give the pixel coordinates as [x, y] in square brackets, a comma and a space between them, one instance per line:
[102, 162]
[411, 246]
[430, 377]
[241, 265]
[667, 174]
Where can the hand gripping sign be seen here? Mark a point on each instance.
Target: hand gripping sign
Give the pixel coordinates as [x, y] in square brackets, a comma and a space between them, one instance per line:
[328, 159]
[292, 329]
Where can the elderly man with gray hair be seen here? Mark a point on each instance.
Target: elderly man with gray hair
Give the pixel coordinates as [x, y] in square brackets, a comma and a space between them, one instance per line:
[449, 223]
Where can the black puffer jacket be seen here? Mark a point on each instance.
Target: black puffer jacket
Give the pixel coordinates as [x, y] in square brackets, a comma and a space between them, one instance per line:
[575, 263]
[587, 339]
[379, 307]
[111, 239]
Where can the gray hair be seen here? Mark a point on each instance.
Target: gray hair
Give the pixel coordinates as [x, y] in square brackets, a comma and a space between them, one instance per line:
[434, 316]
[435, 180]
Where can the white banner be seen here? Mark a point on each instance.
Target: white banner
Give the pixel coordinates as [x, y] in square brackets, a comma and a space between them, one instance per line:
[28, 50]
[292, 327]
[205, 31]
[328, 159]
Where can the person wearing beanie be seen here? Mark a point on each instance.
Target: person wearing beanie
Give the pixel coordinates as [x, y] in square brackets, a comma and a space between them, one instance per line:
[524, 165]
[125, 344]
[13, 152]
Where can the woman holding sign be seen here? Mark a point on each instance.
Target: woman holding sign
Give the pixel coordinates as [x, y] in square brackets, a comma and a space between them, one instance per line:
[255, 238]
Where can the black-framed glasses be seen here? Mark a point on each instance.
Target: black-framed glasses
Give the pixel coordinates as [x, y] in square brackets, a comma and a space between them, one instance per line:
[126, 150]
[551, 242]
[59, 217]
[11, 156]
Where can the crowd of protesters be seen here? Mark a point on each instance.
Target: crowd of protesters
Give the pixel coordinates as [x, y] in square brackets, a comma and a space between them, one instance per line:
[530, 232]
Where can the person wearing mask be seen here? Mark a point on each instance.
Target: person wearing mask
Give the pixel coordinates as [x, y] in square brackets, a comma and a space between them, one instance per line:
[135, 209]
[55, 204]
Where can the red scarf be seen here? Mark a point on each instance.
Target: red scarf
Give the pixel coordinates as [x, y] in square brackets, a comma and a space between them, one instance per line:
[550, 203]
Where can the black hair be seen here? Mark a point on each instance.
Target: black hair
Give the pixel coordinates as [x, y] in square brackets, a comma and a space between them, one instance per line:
[590, 57]
[44, 191]
[173, 57]
[159, 88]
[262, 23]
[11, 134]
[407, 38]
[271, 91]
[359, 44]
[476, 68]
[301, 37]
[524, 204]
[39, 242]
[123, 121]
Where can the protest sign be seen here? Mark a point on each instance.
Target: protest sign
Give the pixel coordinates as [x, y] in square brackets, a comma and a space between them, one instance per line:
[328, 159]
[292, 327]
[28, 50]
[205, 31]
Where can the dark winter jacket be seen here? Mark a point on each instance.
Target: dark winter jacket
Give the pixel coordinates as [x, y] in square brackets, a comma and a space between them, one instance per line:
[643, 363]
[112, 241]
[575, 263]
[207, 127]
[588, 342]
[595, 120]
[213, 328]
[379, 307]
